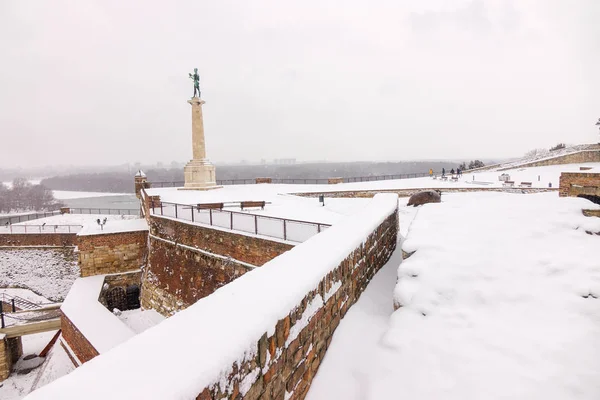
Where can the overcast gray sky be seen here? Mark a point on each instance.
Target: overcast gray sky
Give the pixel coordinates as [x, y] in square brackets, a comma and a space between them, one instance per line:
[105, 82]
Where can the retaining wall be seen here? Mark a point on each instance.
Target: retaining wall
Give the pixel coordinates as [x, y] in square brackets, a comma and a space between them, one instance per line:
[112, 252]
[262, 336]
[410, 192]
[38, 239]
[576, 183]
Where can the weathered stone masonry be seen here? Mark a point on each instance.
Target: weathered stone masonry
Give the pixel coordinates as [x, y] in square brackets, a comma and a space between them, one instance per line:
[112, 252]
[576, 183]
[187, 262]
[288, 360]
[10, 351]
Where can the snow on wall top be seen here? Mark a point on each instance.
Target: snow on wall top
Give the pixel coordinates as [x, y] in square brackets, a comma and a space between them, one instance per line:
[115, 226]
[140, 173]
[100, 327]
[235, 317]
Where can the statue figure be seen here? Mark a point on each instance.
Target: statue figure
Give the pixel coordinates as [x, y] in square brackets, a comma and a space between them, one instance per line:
[196, 78]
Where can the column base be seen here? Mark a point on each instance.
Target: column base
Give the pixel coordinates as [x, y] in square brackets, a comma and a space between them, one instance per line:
[199, 175]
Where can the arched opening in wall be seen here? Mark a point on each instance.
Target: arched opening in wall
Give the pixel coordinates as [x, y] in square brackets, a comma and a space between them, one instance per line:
[116, 298]
[590, 197]
[133, 297]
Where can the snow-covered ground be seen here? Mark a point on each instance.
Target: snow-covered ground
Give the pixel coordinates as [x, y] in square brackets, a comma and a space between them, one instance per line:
[499, 301]
[139, 320]
[24, 294]
[48, 272]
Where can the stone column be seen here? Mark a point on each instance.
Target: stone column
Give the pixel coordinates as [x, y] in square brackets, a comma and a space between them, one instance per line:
[198, 144]
[199, 172]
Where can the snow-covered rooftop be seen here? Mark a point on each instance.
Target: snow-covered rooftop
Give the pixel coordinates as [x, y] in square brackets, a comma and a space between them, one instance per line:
[115, 226]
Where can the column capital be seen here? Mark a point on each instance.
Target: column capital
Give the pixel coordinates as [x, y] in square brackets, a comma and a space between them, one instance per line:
[196, 100]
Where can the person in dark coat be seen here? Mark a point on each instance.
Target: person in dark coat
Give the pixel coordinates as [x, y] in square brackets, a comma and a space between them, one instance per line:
[443, 172]
[452, 171]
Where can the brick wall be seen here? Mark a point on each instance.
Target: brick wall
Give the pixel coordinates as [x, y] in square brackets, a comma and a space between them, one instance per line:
[245, 248]
[112, 253]
[10, 351]
[575, 183]
[82, 348]
[178, 276]
[38, 239]
[288, 360]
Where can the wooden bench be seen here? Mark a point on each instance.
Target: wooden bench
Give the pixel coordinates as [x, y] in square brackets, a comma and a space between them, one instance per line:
[455, 178]
[210, 206]
[249, 204]
[508, 183]
[526, 184]
[444, 178]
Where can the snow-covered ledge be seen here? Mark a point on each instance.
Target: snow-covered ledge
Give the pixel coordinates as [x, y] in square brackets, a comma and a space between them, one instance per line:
[89, 328]
[265, 332]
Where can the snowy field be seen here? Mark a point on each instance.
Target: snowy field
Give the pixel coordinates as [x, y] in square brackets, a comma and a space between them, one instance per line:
[47, 272]
[500, 301]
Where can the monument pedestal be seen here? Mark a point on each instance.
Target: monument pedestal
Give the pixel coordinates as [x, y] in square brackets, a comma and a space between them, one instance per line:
[199, 175]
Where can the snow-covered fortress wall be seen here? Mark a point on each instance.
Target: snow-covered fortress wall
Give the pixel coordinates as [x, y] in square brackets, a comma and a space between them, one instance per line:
[262, 335]
[187, 262]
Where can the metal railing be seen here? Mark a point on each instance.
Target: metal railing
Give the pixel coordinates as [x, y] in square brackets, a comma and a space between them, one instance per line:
[281, 228]
[13, 219]
[44, 228]
[104, 211]
[302, 181]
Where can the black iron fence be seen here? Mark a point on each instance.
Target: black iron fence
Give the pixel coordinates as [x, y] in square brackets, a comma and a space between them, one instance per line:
[14, 219]
[43, 228]
[104, 211]
[281, 228]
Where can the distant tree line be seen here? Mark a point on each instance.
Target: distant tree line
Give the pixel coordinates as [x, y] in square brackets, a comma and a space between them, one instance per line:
[471, 165]
[122, 182]
[23, 196]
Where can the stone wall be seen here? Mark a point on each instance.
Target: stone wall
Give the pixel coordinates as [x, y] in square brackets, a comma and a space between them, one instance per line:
[83, 349]
[11, 349]
[288, 359]
[410, 192]
[38, 239]
[591, 213]
[246, 248]
[178, 275]
[112, 252]
[585, 156]
[576, 183]
[121, 281]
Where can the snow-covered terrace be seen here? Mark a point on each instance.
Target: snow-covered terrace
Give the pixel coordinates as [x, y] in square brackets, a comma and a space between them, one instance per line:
[501, 300]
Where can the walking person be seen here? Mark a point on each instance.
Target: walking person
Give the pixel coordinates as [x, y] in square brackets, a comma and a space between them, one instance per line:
[443, 172]
[452, 172]
[430, 172]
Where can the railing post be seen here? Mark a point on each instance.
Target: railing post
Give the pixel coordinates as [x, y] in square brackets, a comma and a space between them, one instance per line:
[192, 209]
[210, 215]
[175, 210]
[13, 305]
[161, 208]
[231, 220]
[2, 318]
[284, 230]
[25, 228]
[318, 228]
[256, 224]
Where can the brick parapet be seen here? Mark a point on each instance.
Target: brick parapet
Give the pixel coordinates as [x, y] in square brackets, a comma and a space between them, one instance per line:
[286, 361]
[38, 239]
[591, 154]
[11, 349]
[177, 276]
[576, 183]
[81, 347]
[112, 253]
[246, 248]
